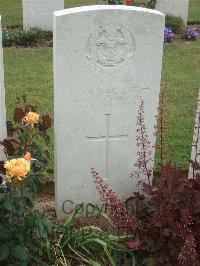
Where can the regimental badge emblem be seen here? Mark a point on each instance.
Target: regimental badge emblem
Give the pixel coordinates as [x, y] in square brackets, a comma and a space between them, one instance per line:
[110, 46]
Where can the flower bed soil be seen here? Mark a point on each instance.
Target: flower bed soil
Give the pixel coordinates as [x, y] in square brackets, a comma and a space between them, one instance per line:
[45, 202]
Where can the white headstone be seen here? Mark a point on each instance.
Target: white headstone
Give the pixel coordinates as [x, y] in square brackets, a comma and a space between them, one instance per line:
[106, 59]
[195, 154]
[2, 97]
[39, 13]
[178, 8]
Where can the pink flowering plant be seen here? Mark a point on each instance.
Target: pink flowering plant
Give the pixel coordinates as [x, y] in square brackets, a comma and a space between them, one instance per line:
[163, 216]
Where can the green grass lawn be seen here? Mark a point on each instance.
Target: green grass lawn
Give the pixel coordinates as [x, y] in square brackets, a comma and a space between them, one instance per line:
[11, 10]
[194, 10]
[30, 70]
[181, 71]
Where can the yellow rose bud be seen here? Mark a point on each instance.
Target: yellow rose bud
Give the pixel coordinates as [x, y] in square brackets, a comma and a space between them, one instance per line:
[27, 156]
[31, 118]
[18, 168]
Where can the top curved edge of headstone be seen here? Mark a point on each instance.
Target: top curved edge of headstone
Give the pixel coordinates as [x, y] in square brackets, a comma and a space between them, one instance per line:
[105, 7]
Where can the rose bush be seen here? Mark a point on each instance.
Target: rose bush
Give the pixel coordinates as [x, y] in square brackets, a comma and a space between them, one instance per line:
[22, 228]
[27, 237]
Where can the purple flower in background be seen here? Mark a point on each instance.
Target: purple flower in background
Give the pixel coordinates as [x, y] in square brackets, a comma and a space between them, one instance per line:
[191, 33]
[168, 34]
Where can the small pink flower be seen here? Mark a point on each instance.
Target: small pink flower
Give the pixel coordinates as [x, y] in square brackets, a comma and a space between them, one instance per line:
[133, 244]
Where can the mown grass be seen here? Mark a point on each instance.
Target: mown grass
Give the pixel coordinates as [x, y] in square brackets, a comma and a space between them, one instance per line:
[11, 10]
[182, 73]
[30, 70]
[194, 10]
[74, 3]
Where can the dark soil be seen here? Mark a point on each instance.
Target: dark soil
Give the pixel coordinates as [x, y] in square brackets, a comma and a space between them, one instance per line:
[45, 201]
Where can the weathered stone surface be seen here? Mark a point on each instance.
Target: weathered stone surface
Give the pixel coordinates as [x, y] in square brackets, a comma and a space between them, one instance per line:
[2, 96]
[106, 59]
[39, 13]
[195, 154]
[178, 8]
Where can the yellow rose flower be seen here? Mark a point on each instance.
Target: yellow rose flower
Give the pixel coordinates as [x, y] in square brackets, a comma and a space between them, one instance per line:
[31, 118]
[18, 168]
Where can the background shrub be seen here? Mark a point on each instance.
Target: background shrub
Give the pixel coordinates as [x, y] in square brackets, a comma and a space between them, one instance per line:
[115, 2]
[7, 37]
[175, 23]
[19, 37]
[141, 3]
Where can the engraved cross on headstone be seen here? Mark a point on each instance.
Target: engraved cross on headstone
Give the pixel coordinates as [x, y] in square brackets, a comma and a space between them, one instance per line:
[107, 138]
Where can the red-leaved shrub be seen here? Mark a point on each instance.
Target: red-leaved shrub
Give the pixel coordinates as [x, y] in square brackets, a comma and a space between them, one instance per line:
[169, 218]
[168, 211]
[166, 214]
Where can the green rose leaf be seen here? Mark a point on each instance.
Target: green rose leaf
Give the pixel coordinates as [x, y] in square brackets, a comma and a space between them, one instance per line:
[20, 253]
[4, 252]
